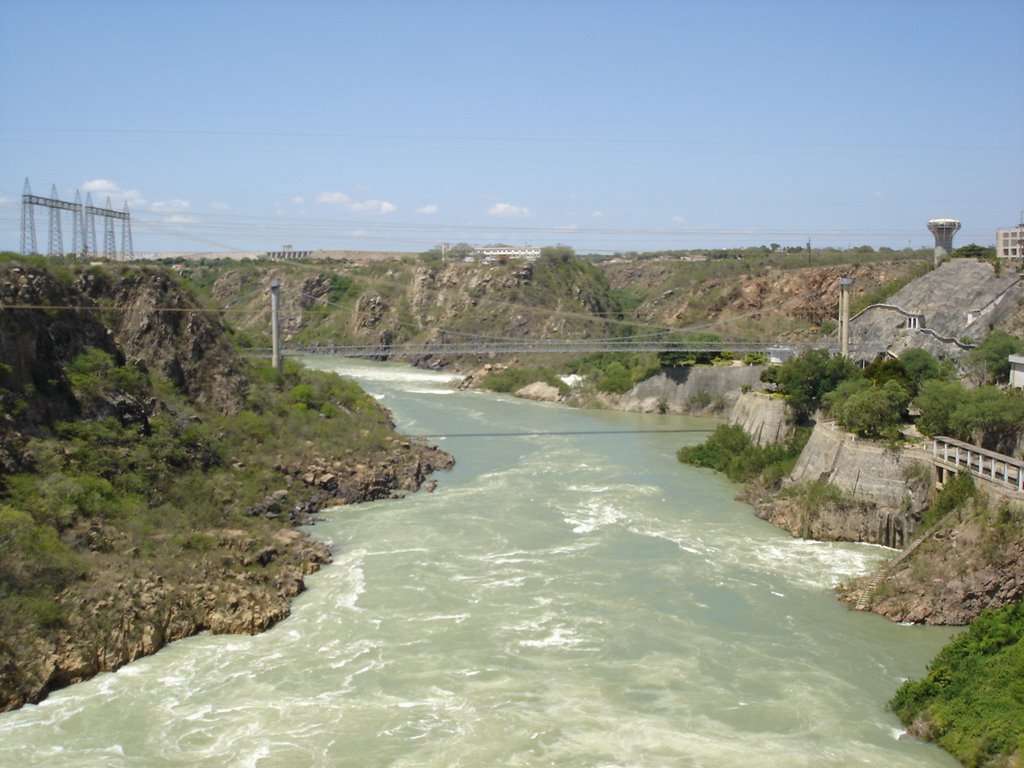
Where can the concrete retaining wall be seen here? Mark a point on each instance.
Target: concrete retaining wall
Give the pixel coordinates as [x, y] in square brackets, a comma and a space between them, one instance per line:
[766, 419]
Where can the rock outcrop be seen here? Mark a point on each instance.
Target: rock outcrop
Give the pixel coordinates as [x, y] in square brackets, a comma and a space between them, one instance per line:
[696, 389]
[244, 584]
[541, 391]
[972, 561]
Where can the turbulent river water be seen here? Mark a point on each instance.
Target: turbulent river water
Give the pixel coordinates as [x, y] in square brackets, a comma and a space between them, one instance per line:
[569, 596]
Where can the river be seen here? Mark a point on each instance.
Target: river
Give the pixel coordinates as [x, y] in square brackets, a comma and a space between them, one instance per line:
[570, 595]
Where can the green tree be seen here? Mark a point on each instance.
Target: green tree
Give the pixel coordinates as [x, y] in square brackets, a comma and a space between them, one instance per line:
[833, 402]
[887, 369]
[937, 401]
[990, 361]
[974, 251]
[805, 379]
[920, 365]
[875, 411]
[989, 417]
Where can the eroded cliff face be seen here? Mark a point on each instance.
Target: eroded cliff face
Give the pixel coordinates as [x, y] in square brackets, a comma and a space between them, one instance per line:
[162, 326]
[140, 316]
[972, 561]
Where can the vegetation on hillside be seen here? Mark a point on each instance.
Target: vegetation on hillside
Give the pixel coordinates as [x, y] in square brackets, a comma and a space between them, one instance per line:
[971, 701]
[155, 484]
[730, 450]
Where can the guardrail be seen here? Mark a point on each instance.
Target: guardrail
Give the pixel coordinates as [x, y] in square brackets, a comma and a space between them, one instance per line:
[955, 455]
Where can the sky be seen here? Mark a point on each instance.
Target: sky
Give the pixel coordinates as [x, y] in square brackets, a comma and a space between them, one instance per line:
[608, 126]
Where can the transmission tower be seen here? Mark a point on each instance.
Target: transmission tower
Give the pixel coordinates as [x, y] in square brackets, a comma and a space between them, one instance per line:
[78, 214]
[28, 222]
[83, 225]
[127, 252]
[56, 237]
[109, 243]
[90, 222]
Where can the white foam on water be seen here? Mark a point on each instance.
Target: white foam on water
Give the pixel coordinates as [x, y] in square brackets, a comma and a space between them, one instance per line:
[592, 515]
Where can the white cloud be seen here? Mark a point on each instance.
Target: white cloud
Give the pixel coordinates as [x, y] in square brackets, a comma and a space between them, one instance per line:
[298, 199]
[359, 206]
[180, 218]
[105, 187]
[679, 219]
[508, 211]
[597, 215]
[169, 206]
[333, 197]
[372, 206]
[430, 208]
[100, 185]
[220, 206]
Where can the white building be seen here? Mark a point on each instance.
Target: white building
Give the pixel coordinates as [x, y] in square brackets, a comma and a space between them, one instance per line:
[508, 252]
[1017, 371]
[1010, 242]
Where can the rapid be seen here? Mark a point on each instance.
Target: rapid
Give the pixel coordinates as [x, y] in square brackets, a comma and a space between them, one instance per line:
[570, 595]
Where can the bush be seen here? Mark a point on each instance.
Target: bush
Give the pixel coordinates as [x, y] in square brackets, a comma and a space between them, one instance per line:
[971, 701]
[731, 451]
[955, 494]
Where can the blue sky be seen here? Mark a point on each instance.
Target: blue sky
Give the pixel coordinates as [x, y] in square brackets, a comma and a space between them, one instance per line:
[604, 125]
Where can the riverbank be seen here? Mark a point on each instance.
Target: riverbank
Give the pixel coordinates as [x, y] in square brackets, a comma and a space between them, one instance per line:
[151, 480]
[223, 580]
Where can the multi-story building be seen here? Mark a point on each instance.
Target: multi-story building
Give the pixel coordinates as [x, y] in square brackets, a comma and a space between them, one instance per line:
[1010, 242]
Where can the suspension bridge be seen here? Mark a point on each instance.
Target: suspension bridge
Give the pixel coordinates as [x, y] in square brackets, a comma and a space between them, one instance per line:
[773, 350]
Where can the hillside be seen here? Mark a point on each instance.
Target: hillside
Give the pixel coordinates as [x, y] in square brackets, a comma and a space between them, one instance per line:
[425, 298]
[150, 478]
[961, 300]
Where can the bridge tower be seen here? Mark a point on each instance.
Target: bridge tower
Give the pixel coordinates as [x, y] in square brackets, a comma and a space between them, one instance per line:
[943, 229]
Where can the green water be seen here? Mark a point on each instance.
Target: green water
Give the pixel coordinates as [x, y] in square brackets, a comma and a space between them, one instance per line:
[569, 596]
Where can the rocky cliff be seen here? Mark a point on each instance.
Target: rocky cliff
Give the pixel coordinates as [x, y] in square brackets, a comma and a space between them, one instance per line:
[132, 579]
[970, 561]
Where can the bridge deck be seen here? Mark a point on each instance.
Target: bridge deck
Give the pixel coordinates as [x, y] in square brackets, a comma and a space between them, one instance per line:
[526, 346]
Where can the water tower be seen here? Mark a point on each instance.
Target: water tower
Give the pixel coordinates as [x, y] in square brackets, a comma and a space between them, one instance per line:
[943, 229]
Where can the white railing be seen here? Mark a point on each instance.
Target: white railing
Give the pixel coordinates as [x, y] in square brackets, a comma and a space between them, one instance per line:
[987, 465]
